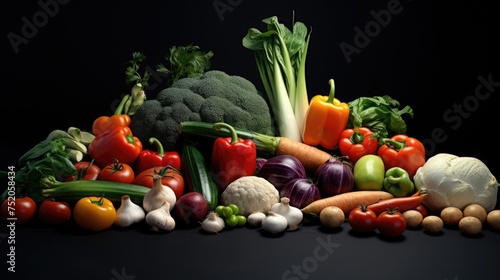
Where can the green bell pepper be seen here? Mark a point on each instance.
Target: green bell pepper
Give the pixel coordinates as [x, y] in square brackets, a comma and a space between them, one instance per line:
[398, 182]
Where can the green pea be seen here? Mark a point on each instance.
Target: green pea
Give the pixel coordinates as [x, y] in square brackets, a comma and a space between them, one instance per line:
[227, 211]
[218, 210]
[369, 173]
[242, 220]
[231, 221]
[235, 208]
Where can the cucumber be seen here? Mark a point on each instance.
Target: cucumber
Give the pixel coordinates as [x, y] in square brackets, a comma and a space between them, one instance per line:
[197, 174]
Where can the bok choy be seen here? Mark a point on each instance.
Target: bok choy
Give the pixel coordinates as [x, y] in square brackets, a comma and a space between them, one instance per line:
[280, 55]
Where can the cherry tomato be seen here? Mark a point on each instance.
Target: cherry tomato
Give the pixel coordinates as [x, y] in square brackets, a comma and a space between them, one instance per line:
[94, 213]
[54, 212]
[85, 170]
[117, 172]
[391, 223]
[20, 209]
[362, 220]
[423, 210]
[172, 178]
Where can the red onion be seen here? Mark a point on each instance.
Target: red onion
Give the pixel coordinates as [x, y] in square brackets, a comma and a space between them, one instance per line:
[258, 164]
[334, 177]
[279, 170]
[301, 192]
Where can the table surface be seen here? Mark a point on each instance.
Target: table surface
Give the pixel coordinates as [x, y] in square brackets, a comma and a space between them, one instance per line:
[311, 252]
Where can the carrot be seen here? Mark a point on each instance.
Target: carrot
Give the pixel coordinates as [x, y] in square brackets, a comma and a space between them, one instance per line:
[311, 157]
[267, 146]
[346, 201]
[402, 203]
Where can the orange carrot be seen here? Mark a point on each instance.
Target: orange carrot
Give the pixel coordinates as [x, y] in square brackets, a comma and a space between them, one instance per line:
[311, 157]
[346, 201]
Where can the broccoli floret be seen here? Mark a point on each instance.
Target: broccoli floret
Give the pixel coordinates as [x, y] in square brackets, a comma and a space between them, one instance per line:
[214, 96]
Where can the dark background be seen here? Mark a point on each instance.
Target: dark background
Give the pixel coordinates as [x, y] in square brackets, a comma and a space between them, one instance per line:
[71, 70]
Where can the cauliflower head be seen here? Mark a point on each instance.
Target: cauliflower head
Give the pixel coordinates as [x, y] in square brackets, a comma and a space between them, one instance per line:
[212, 97]
[251, 194]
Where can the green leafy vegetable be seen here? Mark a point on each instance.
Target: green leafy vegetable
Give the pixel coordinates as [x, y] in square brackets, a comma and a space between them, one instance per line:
[132, 75]
[382, 114]
[185, 62]
[280, 54]
[47, 158]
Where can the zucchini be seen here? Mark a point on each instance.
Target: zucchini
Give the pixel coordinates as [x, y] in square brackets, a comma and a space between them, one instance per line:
[197, 174]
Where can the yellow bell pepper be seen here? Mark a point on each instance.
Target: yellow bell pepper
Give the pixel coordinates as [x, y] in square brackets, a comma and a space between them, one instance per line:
[326, 118]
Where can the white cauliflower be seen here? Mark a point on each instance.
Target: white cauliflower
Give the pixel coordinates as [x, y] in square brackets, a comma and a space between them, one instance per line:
[251, 194]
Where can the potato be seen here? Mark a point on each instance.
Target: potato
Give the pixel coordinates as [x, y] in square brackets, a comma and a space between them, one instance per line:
[331, 217]
[413, 218]
[470, 225]
[451, 216]
[432, 224]
[475, 210]
[493, 219]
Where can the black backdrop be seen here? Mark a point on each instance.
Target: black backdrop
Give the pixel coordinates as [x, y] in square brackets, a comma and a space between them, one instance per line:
[63, 65]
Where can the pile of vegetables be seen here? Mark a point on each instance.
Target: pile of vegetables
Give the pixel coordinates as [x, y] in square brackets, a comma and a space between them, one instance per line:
[205, 153]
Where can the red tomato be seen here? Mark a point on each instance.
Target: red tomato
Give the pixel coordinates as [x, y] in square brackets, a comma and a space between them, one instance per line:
[362, 220]
[173, 179]
[54, 212]
[85, 170]
[23, 209]
[391, 223]
[117, 172]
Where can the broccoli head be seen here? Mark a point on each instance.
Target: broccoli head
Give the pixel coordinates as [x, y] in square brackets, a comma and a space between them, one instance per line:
[212, 97]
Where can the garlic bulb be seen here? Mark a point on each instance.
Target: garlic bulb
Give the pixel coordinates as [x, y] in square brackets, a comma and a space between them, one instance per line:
[158, 195]
[128, 213]
[274, 223]
[255, 219]
[160, 218]
[213, 223]
[450, 180]
[292, 214]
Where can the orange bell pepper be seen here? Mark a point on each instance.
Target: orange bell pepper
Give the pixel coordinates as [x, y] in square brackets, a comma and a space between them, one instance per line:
[326, 118]
[104, 123]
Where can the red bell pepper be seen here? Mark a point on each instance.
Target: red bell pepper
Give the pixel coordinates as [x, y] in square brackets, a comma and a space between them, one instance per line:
[402, 151]
[148, 158]
[357, 142]
[118, 119]
[118, 143]
[232, 157]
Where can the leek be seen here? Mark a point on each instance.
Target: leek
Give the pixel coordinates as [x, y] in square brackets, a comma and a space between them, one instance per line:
[280, 55]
